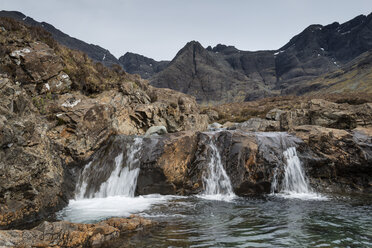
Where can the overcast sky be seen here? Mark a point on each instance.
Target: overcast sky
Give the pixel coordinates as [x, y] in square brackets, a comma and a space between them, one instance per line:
[159, 28]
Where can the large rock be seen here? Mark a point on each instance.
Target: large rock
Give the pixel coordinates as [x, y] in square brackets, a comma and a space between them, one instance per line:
[33, 181]
[66, 234]
[343, 159]
[38, 62]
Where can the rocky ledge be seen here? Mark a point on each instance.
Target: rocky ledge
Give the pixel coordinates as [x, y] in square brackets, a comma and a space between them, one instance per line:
[66, 234]
[336, 161]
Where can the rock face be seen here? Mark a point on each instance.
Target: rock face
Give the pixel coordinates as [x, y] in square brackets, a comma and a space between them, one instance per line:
[66, 234]
[226, 74]
[344, 158]
[138, 64]
[95, 52]
[57, 107]
[335, 160]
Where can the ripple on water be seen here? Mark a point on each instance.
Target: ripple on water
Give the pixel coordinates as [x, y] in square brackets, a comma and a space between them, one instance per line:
[243, 222]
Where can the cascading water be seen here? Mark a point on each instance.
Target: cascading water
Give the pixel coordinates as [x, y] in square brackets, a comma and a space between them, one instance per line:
[115, 195]
[289, 179]
[294, 176]
[123, 179]
[295, 183]
[217, 184]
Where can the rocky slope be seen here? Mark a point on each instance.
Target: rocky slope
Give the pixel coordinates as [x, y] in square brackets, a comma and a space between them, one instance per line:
[226, 74]
[56, 108]
[94, 52]
[141, 65]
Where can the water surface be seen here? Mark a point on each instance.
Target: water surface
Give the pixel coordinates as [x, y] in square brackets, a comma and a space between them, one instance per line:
[271, 221]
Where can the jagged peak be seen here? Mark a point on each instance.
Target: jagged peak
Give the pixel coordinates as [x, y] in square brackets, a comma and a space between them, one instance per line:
[191, 46]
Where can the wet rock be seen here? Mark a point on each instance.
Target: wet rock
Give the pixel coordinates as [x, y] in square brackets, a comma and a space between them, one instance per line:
[66, 234]
[344, 161]
[214, 126]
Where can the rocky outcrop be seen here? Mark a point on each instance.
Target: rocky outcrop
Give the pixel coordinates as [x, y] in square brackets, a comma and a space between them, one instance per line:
[95, 52]
[335, 160]
[33, 180]
[343, 158]
[66, 234]
[317, 112]
[57, 108]
[326, 114]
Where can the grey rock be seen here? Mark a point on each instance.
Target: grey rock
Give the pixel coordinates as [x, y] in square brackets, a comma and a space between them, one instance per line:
[156, 130]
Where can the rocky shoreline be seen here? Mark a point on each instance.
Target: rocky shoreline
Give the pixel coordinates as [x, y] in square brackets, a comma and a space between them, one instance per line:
[67, 234]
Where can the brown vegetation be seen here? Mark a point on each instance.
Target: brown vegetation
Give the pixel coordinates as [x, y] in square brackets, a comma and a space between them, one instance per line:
[242, 111]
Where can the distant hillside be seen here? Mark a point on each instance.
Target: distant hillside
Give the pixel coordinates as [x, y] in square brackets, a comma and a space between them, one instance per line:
[317, 58]
[138, 64]
[95, 52]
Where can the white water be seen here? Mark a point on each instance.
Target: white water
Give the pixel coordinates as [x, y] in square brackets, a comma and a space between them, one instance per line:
[123, 180]
[115, 197]
[217, 184]
[96, 209]
[295, 183]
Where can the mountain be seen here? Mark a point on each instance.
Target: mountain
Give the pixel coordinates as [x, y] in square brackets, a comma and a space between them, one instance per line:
[95, 52]
[138, 64]
[226, 74]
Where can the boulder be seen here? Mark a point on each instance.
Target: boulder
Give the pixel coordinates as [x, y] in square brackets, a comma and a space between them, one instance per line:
[156, 130]
[37, 62]
[214, 126]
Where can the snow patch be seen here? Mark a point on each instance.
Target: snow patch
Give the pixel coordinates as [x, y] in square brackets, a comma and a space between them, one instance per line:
[70, 104]
[278, 53]
[104, 57]
[24, 18]
[47, 86]
[322, 49]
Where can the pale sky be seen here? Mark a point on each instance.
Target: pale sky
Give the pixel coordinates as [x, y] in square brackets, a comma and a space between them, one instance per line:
[159, 28]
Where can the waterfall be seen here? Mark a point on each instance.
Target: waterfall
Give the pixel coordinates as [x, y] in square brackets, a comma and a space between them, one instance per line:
[294, 176]
[295, 183]
[289, 178]
[123, 178]
[216, 182]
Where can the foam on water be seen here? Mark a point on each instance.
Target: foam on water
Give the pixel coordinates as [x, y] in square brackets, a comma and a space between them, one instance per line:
[96, 209]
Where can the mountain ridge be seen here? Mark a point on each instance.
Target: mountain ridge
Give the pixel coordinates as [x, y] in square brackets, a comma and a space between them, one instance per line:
[95, 52]
[250, 75]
